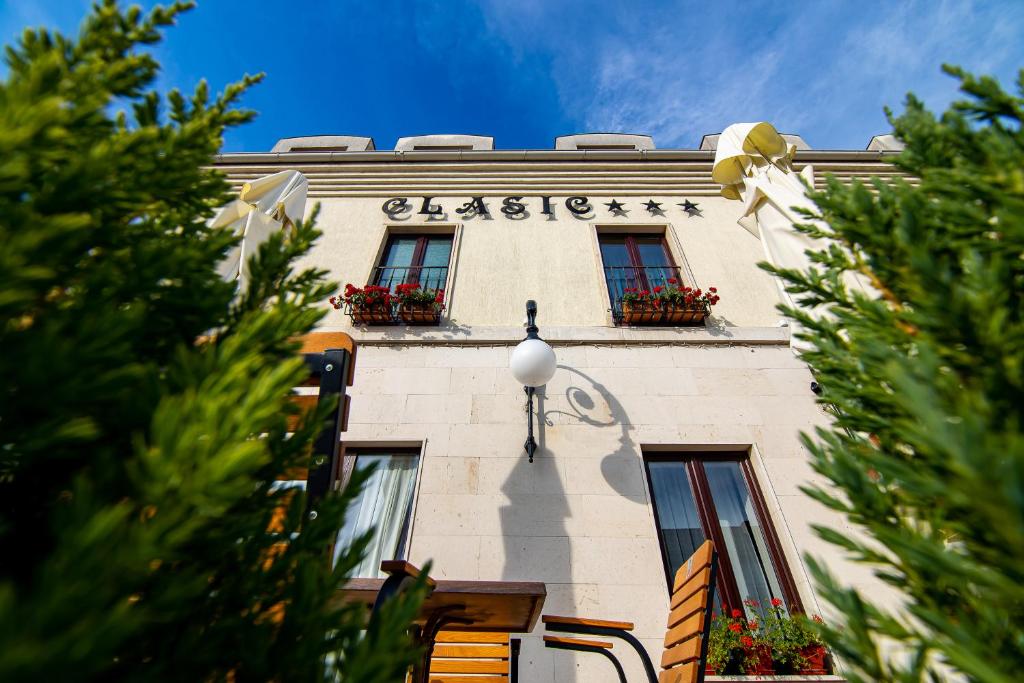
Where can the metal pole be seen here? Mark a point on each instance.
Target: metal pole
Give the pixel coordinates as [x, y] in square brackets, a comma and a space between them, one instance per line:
[531, 444]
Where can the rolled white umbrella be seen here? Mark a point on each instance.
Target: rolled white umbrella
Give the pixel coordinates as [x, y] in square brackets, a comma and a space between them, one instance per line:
[267, 204]
[754, 164]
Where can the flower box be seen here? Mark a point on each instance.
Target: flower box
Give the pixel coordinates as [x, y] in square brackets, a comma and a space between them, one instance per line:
[375, 314]
[668, 304]
[641, 312]
[759, 660]
[680, 315]
[419, 313]
[816, 657]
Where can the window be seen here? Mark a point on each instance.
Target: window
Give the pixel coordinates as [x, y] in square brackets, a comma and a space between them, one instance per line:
[384, 506]
[415, 259]
[715, 496]
[635, 262]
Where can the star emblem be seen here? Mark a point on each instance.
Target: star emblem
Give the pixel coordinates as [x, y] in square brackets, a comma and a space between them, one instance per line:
[689, 207]
[654, 207]
[616, 207]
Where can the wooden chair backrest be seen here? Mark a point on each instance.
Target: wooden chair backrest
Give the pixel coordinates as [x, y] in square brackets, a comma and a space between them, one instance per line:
[689, 619]
[482, 657]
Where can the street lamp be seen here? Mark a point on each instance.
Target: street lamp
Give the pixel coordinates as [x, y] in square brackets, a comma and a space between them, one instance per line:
[532, 363]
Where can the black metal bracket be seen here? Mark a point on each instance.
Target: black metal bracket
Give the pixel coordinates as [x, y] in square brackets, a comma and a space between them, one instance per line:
[579, 647]
[516, 644]
[611, 633]
[332, 367]
[531, 443]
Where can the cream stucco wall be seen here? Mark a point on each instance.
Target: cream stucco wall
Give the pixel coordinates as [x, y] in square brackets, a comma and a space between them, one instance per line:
[499, 262]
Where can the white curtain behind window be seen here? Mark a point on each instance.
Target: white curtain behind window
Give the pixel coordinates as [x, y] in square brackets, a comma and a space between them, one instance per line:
[383, 506]
[744, 538]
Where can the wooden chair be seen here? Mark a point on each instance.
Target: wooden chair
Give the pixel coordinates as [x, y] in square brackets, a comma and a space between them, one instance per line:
[474, 657]
[689, 624]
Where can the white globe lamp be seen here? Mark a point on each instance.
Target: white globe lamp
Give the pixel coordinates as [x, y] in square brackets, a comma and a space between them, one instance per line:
[533, 364]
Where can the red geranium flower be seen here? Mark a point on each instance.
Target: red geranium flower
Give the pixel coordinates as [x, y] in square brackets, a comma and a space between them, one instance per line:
[736, 614]
[658, 289]
[735, 628]
[776, 602]
[673, 281]
[747, 641]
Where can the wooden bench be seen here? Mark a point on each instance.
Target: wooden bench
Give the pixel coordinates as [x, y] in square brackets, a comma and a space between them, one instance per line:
[474, 657]
[688, 626]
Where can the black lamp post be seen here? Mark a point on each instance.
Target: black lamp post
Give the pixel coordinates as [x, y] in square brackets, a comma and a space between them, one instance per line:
[533, 363]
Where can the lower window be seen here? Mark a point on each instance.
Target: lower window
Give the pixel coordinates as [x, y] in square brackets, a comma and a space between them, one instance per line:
[714, 495]
[384, 507]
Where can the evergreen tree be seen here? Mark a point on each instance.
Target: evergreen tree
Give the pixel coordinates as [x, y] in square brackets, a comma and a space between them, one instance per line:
[144, 404]
[926, 455]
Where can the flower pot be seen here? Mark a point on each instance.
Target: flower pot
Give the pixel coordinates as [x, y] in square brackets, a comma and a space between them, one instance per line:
[419, 314]
[762, 664]
[816, 657]
[733, 666]
[641, 312]
[374, 314]
[681, 315]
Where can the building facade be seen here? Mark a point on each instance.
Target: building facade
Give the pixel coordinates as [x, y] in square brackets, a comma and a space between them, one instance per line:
[653, 434]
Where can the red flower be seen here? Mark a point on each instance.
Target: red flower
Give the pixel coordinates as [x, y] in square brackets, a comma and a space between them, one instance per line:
[673, 281]
[645, 292]
[439, 299]
[712, 290]
[776, 602]
[736, 614]
[752, 625]
[747, 641]
[658, 289]
[751, 602]
[736, 628]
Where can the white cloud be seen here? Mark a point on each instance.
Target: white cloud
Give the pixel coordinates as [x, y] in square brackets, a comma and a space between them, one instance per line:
[823, 70]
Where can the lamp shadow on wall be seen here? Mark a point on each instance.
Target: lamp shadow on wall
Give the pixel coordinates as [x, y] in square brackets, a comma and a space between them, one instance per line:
[605, 412]
[537, 542]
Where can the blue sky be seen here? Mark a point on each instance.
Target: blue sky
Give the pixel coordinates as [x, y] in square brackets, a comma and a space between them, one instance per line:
[526, 71]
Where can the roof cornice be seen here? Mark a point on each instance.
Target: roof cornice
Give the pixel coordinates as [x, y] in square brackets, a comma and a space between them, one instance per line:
[391, 156]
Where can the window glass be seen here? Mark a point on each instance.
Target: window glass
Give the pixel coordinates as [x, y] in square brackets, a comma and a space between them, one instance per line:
[383, 507]
[651, 249]
[744, 538]
[614, 252]
[399, 252]
[436, 254]
[421, 259]
[394, 265]
[678, 520]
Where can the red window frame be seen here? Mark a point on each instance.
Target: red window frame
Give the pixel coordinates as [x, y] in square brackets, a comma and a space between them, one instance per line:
[635, 260]
[418, 254]
[727, 590]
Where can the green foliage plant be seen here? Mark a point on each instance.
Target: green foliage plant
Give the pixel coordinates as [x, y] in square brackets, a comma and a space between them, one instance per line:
[925, 376]
[143, 417]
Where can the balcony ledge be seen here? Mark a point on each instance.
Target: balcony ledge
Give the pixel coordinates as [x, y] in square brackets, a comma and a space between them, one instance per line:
[450, 333]
[781, 679]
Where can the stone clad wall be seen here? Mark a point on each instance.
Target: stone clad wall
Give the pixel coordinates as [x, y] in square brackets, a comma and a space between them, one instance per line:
[579, 517]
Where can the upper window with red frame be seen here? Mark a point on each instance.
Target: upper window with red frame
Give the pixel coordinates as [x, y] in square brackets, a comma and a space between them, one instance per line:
[415, 259]
[635, 262]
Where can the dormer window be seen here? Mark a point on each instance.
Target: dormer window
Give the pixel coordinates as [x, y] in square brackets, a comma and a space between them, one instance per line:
[604, 142]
